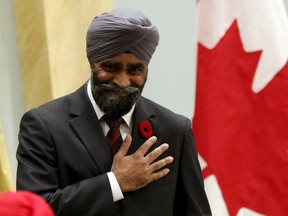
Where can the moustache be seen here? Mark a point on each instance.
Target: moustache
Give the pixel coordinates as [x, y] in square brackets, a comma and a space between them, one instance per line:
[113, 87]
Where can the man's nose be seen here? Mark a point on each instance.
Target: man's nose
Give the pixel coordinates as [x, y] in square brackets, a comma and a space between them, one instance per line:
[122, 79]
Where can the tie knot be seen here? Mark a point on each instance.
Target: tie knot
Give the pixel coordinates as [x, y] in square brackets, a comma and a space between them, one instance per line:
[114, 122]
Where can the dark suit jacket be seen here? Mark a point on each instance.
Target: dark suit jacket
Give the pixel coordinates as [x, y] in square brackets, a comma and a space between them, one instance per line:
[63, 156]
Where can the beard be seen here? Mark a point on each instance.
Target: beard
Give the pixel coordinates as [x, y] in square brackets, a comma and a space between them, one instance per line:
[113, 100]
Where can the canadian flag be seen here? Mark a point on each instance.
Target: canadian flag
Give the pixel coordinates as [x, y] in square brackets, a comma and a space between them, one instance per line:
[241, 106]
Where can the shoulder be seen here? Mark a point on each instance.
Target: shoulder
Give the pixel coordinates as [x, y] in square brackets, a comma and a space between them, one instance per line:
[162, 112]
[171, 126]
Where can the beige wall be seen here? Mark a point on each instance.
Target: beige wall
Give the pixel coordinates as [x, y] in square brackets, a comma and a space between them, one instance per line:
[6, 182]
[51, 35]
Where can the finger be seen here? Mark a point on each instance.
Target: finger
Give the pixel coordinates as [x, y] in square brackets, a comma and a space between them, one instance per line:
[161, 163]
[124, 147]
[157, 152]
[159, 174]
[143, 149]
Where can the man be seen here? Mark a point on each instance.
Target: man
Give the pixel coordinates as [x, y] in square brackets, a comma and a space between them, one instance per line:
[64, 156]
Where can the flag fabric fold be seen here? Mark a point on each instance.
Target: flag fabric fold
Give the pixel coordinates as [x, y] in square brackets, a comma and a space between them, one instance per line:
[241, 107]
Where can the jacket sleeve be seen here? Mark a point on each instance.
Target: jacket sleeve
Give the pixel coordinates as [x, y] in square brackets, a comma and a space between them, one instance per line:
[191, 198]
[37, 171]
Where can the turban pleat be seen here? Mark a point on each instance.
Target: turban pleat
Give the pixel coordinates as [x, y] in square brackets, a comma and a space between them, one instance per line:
[120, 31]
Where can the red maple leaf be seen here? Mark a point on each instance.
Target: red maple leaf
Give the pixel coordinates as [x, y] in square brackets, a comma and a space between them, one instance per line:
[243, 136]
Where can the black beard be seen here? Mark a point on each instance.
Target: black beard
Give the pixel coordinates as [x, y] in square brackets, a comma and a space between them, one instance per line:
[112, 104]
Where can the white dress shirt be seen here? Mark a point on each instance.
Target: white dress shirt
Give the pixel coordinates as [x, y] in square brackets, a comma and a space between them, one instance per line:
[125, 129]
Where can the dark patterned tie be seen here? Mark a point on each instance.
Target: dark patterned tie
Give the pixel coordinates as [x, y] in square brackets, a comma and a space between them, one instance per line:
[113, 136]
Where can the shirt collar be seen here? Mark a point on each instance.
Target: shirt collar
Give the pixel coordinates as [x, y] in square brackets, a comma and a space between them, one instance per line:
[127, 118]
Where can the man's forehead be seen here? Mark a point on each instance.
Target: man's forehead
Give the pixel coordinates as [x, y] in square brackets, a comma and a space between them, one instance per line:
[116, 63]
[124, 59]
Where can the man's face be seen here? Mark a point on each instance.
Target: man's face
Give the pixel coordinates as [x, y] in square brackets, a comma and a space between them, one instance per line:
[117, 83]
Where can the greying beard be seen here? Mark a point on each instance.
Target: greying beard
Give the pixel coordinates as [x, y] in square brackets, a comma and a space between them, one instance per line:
[112, 104]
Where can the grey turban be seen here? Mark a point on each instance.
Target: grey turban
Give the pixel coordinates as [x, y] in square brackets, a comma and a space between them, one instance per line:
[119, 31]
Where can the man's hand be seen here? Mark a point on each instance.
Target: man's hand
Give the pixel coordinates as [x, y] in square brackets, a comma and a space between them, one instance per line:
[137, 170]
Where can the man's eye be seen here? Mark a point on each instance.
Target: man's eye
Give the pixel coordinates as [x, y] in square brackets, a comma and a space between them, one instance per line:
[135, 69]
[110, 66]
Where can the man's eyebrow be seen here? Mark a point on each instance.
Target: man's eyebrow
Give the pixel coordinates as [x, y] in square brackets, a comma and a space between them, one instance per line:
[109, 62]
[138, 65]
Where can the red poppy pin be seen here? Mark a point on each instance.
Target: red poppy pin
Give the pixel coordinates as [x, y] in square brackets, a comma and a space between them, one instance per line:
[145, 129]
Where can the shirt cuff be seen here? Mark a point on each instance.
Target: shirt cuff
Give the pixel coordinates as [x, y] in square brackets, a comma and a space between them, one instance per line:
[116, 190]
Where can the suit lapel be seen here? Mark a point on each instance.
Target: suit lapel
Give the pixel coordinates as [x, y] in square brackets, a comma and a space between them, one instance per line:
[88, 128]
[142, 113]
